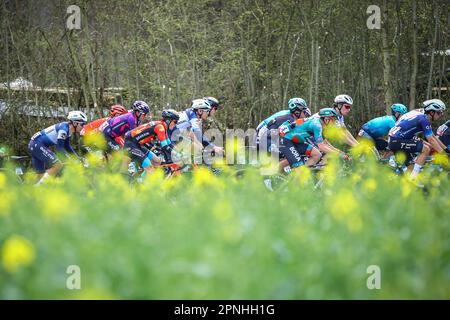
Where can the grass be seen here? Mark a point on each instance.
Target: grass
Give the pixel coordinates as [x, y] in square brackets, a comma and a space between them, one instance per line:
[207, 237]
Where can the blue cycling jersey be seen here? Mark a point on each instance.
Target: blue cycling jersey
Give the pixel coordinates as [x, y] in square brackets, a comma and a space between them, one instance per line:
[51, 135]
[267, 120]
[302, 130]
[56, 135]
[411, 124]
[379, 127]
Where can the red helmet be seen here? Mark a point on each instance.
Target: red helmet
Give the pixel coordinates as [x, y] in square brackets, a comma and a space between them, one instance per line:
[117, 110]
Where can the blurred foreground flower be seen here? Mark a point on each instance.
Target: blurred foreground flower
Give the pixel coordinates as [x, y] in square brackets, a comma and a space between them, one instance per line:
[17, 252]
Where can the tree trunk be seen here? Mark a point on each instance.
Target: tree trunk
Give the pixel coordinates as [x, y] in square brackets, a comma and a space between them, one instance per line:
[316, 84]
[433, 49]
[414, 59]
[387, 76]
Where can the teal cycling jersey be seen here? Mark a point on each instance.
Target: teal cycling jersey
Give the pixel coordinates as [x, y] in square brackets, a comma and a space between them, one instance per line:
[379, 127]
[303, 130]
[266, 121]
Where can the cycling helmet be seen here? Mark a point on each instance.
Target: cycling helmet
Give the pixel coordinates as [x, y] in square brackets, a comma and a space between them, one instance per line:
[343, 99]
[200, 104]
[213, 102]
[77, 116]
[328, 112]
[297, 104]
[117, 110]
[400, 108]
[307, 112]
[141, 106]
[170, 115]
[433, 105]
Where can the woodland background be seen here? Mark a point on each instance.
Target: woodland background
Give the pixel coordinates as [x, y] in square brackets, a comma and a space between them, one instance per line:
[252, 55]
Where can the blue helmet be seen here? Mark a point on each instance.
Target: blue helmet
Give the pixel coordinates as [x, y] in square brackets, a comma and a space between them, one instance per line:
[141, 106]
[297, 104]
[400, 108]
[328, 112]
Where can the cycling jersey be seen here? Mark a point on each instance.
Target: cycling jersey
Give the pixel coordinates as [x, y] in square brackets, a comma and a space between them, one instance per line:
[42, 157]
[379, 127]
[302, 130]
[443, 133]
[56, 135]
[267, 120]
[411, 124]
[95, 127]
[145, 133]
[443, 129]
[190, 122]
[264, 135]
[118, 126]
[136, 139]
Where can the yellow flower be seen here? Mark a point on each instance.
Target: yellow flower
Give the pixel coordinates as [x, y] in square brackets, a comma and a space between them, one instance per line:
[95, 159]
[55, 203]
[442, 160]
[343, 204]
[400, 157]
[356, 178]
[364, 147]
[2, 180]
[334, 133]
[95, 139]
[406, 187]
[303, 175]
[204, 177]
[370, 185]
[17, 252]
[6, 200]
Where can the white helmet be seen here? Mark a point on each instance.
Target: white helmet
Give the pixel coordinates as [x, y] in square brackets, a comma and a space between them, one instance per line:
[77, 116]
[200, 104]
[343, 98]
[433, 105]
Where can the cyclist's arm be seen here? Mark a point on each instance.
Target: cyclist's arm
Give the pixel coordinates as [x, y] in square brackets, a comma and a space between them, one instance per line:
[349, 139]
[326, 147]
[436, 144]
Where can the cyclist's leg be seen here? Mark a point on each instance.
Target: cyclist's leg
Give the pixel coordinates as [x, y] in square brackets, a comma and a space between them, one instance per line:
[44, 161]
[293, 151]
[410, 146]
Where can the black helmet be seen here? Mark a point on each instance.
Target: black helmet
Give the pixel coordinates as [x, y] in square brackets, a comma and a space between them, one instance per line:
[170, 115]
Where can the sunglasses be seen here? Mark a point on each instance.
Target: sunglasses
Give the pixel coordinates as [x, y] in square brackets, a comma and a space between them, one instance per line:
[347, 106]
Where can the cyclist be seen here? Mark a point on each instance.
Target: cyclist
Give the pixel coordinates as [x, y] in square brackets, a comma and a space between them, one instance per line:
[118, 126]
[190, 124]
[403, 136]
[376, 129]
[343, 103]
[443, 132]
[298, 109]
[44, 161]
[263, 124]
[137, 139]
[214, 104]
[94, 126]
[304, 138]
